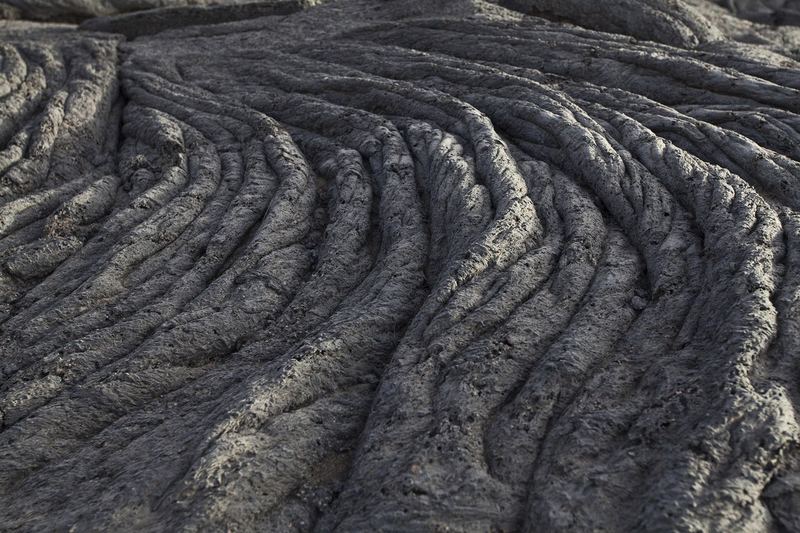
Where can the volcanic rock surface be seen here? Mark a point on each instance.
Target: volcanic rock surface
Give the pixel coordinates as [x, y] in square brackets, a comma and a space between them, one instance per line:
[365, 265]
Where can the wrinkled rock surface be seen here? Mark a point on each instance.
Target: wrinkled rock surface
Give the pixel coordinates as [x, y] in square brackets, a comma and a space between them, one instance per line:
[77, 10]
[365, 265]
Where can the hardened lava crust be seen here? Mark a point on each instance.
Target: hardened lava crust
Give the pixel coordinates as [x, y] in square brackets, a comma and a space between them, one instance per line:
[399, 266]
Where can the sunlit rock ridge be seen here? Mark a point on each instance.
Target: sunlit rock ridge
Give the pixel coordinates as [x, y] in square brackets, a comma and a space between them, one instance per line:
[399, 266]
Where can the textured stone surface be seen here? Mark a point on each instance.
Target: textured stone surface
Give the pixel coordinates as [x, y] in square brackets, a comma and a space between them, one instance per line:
[399, 265]
[77, 10]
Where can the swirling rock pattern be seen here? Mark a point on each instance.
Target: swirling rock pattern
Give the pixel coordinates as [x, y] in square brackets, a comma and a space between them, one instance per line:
[399, 266]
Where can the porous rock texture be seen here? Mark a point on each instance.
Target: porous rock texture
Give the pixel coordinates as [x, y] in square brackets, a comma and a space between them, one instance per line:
[401, 265]
[78, 10]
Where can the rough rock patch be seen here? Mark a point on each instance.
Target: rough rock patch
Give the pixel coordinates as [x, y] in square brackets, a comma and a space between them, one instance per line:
[395, 266]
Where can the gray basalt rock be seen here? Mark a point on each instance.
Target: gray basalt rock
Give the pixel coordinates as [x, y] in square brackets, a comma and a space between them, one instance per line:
[365, 265]
[78, 10]
[665, 21]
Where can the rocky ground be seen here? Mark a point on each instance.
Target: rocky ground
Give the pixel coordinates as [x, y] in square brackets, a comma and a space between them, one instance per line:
[399, 265]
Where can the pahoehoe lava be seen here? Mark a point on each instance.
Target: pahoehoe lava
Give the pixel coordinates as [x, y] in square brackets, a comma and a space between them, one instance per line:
[399, 265]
